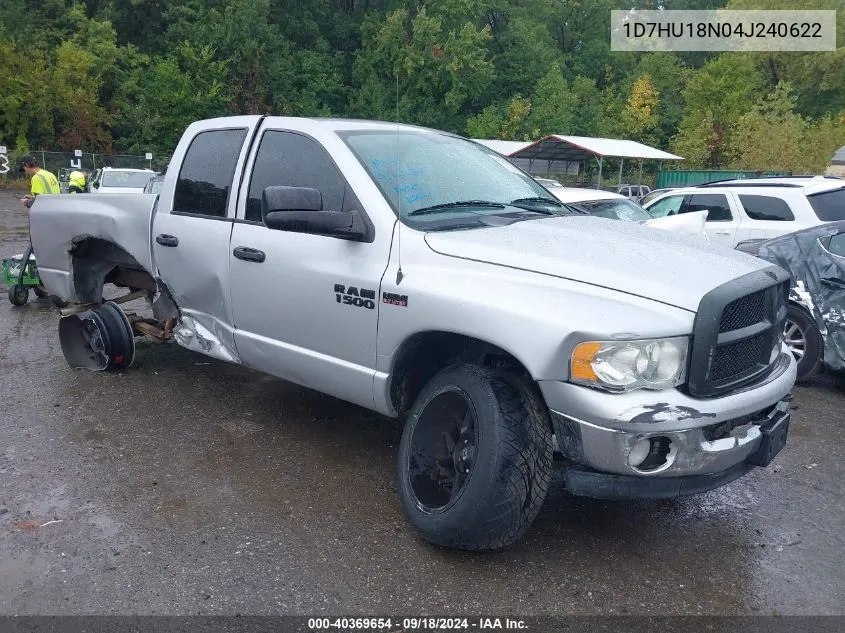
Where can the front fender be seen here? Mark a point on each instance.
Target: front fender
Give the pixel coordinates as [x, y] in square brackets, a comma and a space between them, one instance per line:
[536, 318]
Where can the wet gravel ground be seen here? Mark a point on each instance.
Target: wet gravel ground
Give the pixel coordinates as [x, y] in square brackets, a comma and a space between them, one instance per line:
[186, 485]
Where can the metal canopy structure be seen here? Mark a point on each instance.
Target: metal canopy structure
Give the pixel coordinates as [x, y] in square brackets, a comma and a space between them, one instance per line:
[557, 147]
[560, 149]
[578, 148]
[839, 157]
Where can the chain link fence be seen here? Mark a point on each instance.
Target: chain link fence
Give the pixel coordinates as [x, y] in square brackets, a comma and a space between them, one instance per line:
[60, 163]
[54, 161]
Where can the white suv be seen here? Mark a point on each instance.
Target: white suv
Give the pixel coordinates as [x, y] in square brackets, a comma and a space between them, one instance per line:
[761, 208]
[119, 180]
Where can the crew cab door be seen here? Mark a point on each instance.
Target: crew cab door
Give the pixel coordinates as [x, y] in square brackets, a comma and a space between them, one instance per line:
[193, 225]
[306, 305]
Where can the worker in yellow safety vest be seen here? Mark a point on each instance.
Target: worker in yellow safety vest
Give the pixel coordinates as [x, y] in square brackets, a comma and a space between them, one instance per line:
[76, 182]
[42, 181]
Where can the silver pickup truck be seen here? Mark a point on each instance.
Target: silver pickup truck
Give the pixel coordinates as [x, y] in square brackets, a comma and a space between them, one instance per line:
[423, 276]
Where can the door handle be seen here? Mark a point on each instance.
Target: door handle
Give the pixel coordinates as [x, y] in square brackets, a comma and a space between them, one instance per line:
[832, 282]
[249, 254]
[167, 240]
[723, 232]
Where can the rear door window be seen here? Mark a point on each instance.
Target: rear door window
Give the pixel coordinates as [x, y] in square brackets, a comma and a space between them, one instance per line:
[829, 205]
[766, 208]
[208, 169]
[716, 204]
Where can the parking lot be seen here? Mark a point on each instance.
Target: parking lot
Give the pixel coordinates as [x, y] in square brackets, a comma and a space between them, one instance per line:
[186, 485]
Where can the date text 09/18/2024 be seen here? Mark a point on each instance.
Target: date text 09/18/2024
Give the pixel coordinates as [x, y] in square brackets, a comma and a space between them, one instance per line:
[397, 625]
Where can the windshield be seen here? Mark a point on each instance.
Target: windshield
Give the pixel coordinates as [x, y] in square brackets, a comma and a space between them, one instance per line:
[615, 209]
[137, 179]
[829, 206]
[424, 174]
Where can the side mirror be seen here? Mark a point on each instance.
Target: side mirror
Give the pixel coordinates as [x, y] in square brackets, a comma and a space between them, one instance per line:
[300, 210]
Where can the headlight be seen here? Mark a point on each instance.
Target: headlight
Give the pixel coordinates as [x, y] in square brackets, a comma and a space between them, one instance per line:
[628, 365]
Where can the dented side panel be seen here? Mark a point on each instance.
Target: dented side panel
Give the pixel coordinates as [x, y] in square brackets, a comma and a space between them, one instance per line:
[818, 283]
[217, 342]
[59, 222]
[191, 250]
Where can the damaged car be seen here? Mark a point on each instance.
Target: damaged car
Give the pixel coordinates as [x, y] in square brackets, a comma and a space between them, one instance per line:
[606, 204]
[814, 328]
[423, 276]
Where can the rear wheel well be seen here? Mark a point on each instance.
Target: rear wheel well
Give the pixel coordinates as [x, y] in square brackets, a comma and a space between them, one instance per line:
[425, 354]
[97, 262]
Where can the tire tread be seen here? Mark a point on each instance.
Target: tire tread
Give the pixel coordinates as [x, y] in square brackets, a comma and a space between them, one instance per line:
[523, 470]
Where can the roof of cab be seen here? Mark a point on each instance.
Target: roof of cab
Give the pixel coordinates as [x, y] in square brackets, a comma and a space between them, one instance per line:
[330, 123]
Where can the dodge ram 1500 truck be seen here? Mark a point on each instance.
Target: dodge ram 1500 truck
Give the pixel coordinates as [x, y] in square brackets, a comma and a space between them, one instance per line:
[425, 277]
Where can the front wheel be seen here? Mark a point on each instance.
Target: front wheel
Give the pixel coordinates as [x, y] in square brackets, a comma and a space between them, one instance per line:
[802, 337]
[475, 459]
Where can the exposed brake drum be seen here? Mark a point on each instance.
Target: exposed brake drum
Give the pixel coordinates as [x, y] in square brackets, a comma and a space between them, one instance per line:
[100, 340]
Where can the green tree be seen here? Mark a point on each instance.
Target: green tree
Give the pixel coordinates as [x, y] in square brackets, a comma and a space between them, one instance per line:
[172, 93]
[817, 78]
[769, 136]
[509, 122]
[439, 60]
[25, 104]
[640, 114]
[79, 118]
[669, 76]
[716, 97]
[521, 46]
[554, 107]
[773, 136]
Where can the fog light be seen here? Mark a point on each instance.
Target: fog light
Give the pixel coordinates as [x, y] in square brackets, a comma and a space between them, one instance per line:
[639, 453]
[659, 455]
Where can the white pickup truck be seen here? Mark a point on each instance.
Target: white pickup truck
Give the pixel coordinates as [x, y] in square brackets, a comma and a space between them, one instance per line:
[423, 276]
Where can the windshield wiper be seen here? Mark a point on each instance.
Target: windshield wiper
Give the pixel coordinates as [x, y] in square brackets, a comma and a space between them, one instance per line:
[531, 204]
[446, 206]
[551, 201]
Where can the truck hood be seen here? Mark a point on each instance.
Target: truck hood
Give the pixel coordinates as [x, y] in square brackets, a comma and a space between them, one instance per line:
[624, 256]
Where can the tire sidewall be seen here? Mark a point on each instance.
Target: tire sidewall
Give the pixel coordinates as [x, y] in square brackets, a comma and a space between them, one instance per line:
[480, 489]
[810, 362]
[18, 295]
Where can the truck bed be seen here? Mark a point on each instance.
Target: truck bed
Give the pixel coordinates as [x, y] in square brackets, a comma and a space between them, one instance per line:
[59, 222]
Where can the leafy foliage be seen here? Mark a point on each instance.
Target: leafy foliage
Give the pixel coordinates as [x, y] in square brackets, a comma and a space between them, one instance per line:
[129, 75]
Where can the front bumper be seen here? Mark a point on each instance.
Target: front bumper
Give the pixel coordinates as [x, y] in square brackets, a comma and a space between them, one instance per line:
[769, 440]
[718, 438]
